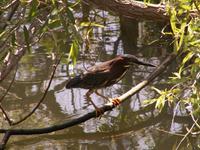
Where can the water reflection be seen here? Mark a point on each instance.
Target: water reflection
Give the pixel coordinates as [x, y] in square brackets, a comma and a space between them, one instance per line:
[126, 127]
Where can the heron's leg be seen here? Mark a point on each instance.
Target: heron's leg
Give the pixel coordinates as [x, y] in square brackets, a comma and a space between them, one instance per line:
[89, 92]
[104, 97]
[114, 101]
[98, 110]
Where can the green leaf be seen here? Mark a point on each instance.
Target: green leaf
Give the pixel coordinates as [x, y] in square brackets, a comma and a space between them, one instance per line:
[73, 54]
[54, 24]
[70, 14]
[76, 3]
[33, 11]
[160, 102]
[157, 90]
[149, 101]
[182, 31]
[177, 75]
[187, 57]
[186, 7]
[53, 2]
[76, 34]
[2, 34]
[173, 21]
[195, 42]
[26, 38]
[92, 24]
[13, 40]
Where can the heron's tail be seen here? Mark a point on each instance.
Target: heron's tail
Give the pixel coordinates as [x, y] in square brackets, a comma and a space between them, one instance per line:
[74, 82]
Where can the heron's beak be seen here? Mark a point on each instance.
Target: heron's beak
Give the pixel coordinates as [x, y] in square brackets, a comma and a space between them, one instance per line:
[137, 61]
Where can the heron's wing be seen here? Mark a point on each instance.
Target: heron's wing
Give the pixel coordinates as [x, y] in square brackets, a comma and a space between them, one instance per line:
[95, 77]
[94, 80]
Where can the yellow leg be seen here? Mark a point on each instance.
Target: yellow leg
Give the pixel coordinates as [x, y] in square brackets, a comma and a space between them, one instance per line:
[98, 110]
[104, 97]
[114, 101]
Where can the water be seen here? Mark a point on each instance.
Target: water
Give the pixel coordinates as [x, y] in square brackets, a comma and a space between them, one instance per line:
[125, 128]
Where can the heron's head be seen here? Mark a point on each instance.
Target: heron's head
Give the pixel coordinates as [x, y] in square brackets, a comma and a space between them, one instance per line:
[131, 59]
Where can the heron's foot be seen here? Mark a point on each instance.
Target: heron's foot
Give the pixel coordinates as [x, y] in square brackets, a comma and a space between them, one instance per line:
[99, 112]
[116, 102]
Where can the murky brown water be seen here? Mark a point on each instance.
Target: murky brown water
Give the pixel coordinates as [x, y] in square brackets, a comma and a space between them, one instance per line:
[126, 127]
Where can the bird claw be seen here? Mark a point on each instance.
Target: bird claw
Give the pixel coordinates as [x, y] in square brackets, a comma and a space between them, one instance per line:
[99, 112]
[116, 102]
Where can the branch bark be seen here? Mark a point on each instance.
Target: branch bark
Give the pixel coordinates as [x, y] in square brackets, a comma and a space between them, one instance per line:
[134, 9]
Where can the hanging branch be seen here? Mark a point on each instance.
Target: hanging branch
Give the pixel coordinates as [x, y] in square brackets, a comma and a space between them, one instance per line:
[85, 117]
[5, 115]
[10, 62]
[13, 79]
[44, 95]
[12, 59]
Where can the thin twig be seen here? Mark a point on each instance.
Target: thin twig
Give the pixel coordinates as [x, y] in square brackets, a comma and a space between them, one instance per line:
[5, 115]
[7, 90]
[185, 136]
[195, 121]
[43, 97]
[15, 6]
[196, 5]
[171, 133]
[10, 4]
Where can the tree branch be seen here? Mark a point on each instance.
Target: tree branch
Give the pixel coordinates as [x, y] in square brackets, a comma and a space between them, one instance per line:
[135, 9]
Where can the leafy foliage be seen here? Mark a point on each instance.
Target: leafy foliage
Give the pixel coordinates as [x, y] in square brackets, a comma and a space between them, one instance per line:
[36, 21]
[186, 34]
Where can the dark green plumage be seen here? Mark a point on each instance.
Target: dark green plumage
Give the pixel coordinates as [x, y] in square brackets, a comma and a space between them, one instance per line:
[106, 73]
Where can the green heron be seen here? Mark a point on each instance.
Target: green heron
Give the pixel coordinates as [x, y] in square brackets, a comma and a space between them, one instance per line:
[104, 74]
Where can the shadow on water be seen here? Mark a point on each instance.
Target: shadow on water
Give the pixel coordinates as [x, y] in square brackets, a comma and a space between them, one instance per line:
[126, 127]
